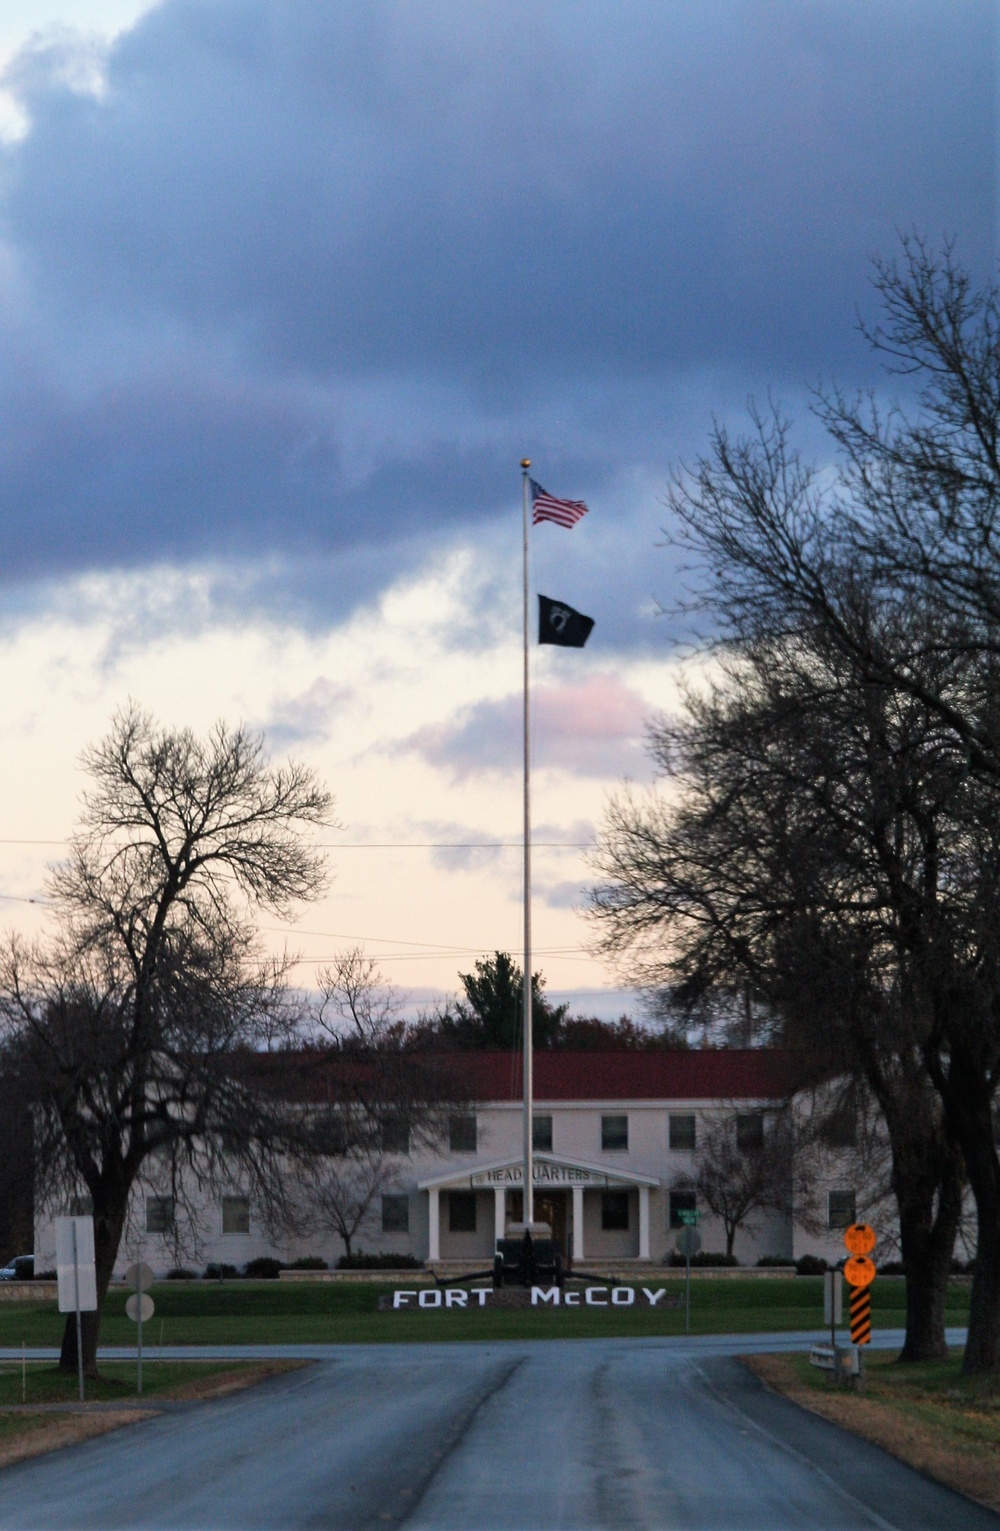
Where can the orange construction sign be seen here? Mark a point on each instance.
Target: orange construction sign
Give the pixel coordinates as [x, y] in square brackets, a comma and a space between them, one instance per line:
[859, 1271]
[861, 1315]
[859, 1239]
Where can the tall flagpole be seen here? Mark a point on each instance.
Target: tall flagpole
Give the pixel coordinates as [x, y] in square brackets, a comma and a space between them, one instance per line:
[528, 1194]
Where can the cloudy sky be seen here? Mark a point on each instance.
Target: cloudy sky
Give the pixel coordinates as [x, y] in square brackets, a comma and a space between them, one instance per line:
[286, 292]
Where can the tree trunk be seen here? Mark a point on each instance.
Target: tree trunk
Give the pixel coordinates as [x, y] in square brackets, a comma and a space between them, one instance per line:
[109, 1222]
[927, 1239]
[967, 1096]
[982, 1348]
[928, 1182]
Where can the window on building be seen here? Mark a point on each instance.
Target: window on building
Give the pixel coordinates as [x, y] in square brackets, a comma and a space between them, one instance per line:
[236, 1214]
[541, 1133]
[749, 1131]
[614, 1211]
[840, 1129]
[842, 1209]
[462, 1134]
[81, 1206]
[159, 1214]
[462, 1211]
[395, 1135]
[395, 1214]
[614, 1133]
[681, 1201]
[682, 1132]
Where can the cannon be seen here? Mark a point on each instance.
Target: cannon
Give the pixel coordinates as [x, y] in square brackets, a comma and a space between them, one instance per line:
[528, 1256]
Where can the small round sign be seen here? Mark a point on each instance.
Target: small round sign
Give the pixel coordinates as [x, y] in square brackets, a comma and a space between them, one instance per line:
[859, 1239]
[688, 1242]
[859, 1271]
[139, 1277]
[134, 1311]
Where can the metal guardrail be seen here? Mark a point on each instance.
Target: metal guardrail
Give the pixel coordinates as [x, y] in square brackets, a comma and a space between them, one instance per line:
[841, 1360]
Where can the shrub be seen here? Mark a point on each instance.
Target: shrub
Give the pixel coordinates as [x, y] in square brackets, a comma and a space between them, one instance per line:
[308, 1263]
[363, 1262]
[782, 1260]
[181, 1273]
[893, 1268]
[706, 1259]
[262, 1269]
[220, 1272]
[810, 1265]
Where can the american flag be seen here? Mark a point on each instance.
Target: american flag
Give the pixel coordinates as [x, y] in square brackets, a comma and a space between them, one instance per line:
[545, 507]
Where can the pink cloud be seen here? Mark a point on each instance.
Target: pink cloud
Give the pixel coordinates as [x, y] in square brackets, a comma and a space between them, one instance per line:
[591, 729]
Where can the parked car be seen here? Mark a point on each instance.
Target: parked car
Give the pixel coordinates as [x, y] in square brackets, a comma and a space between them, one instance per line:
[21, 1268]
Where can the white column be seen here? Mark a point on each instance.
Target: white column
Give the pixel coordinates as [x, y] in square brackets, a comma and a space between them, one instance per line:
[434, 1224]
[644, 1222]
[578, 1222]
[499, 1211]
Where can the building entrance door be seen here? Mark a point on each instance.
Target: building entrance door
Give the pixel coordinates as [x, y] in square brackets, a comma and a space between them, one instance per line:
[550, 1207]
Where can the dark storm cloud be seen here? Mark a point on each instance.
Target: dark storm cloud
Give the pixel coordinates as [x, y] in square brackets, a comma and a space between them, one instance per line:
[313, 277]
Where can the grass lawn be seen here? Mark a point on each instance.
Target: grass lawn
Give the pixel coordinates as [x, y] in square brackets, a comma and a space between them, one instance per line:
[24, 1434]
[45, 1383]
[272, 1312]
[928, 1414]
[14, 1427]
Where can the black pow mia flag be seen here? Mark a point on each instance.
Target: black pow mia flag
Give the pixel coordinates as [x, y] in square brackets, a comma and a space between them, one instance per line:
[559, 623]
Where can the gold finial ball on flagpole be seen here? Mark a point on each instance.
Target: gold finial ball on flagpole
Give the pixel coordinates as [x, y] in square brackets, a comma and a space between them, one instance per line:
[525, 462]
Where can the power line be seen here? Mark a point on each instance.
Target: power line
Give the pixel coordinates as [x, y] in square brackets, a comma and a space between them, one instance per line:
[32, 842]
[343, 935]
[407, 845]
[577, 956]
[449, 845]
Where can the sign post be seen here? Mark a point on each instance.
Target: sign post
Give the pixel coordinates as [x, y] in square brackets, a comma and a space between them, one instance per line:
[76, 1300]
[859, 1273]
[139, 1308]
[688, 1244]
[76, 1275]
[833, 1303]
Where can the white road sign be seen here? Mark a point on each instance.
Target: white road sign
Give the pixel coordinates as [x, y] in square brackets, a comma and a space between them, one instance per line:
[135, 1311]
[75, 1264]
[688, 1242]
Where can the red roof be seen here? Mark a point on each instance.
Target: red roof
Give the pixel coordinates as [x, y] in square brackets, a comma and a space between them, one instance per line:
[717, 1074]
[707, 1074]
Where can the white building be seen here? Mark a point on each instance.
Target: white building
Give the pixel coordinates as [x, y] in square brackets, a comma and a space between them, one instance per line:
[614, 1133]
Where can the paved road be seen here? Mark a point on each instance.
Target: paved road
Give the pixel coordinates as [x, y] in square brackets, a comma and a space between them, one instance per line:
[513, 1437]
[695, 1344]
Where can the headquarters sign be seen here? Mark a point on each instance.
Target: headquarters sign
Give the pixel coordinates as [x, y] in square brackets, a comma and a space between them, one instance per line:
[542, 1174]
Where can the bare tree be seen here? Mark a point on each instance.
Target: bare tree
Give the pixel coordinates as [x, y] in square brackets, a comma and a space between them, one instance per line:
[739, 1179]
[135, 1032]
[341, 1193]
[840, 1142]
[908, 520]
[820, 829]
[385, 1094]
[17, 1171]
[355, 999]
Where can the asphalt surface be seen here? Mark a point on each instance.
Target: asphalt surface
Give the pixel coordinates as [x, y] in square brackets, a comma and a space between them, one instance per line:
[484, 1437]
